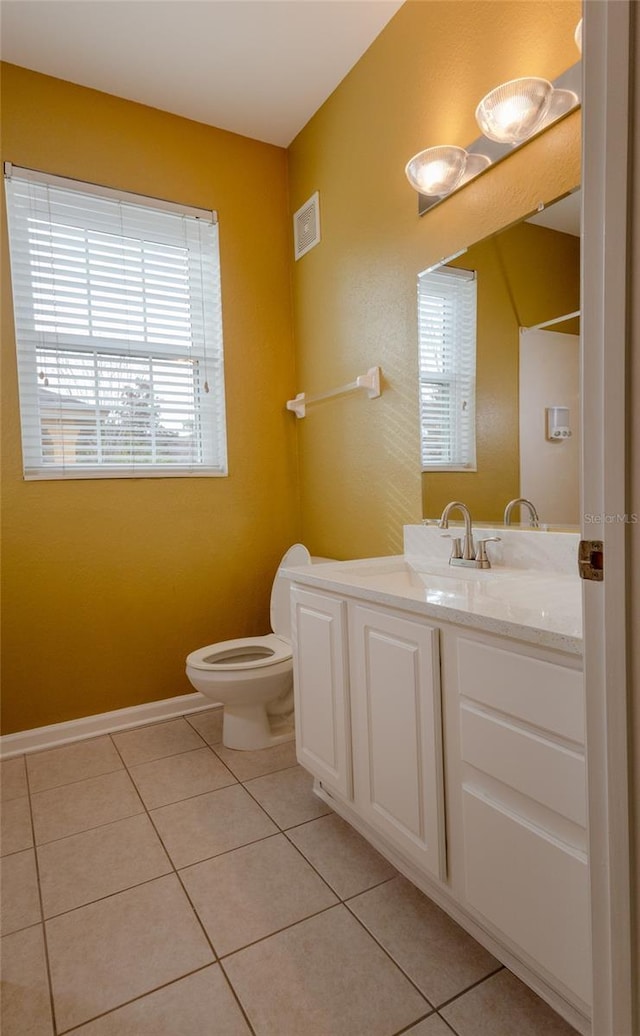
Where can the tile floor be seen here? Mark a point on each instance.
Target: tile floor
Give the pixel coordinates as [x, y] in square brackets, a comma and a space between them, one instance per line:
[155, 883]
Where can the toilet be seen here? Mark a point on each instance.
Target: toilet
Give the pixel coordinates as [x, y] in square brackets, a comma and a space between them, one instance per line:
[253, 676]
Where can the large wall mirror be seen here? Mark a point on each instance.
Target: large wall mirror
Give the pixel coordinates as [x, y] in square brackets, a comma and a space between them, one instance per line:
[527, 362]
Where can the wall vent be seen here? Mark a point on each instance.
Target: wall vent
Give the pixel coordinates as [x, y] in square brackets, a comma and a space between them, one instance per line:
[306, 226]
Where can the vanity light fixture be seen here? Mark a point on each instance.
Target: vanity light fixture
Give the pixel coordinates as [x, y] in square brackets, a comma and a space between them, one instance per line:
[578, 35]
[510, 113]
[437, 171]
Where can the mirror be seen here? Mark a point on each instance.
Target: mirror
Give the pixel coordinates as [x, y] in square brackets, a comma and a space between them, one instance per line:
[527, 276]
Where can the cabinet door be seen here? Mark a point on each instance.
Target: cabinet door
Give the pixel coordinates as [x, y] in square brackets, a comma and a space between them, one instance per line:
[397, 731]
[323, 729]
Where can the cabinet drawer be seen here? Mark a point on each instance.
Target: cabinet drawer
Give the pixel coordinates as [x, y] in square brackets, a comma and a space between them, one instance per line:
[531, 887]
[548, 773]
[546, 695]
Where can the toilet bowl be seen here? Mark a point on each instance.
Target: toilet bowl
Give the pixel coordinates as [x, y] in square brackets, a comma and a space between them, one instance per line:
[253, 676]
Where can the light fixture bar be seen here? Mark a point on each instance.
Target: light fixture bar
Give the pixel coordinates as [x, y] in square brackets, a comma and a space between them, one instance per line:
[569, 80]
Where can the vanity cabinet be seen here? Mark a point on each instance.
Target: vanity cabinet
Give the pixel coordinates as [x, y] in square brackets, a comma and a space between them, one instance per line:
[523, 788]
[322, 710]
[397, 732]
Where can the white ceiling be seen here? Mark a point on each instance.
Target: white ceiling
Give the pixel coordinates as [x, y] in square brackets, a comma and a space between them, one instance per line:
[256, 67]
[563, 215]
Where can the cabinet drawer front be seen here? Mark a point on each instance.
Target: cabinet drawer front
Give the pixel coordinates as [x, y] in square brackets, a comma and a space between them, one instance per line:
[397, 733]
[531, 888]
[549, 773]
[547, 695]
[323, 731]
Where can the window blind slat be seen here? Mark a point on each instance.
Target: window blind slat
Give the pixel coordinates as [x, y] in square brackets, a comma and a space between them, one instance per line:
[447, 361]
[119, 334]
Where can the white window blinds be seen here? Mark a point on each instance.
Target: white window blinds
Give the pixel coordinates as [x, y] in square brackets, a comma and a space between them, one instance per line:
[447, 363]
[118, 332]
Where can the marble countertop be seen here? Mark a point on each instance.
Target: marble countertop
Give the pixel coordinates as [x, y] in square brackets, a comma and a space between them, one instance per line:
[537, 606]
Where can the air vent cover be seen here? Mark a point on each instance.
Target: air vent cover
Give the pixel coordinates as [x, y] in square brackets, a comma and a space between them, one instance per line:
[306, 226]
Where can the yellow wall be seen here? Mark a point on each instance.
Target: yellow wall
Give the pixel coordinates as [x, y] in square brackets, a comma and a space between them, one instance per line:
[109, 584]
[355, 293]
[526, 274]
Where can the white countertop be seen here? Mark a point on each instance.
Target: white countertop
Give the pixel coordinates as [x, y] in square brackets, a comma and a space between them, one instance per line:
[540, 607]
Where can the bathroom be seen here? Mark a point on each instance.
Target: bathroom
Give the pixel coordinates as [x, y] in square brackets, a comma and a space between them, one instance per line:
[120, 579]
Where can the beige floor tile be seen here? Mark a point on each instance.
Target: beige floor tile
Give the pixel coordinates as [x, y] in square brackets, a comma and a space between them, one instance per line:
[25, 1006]
[208, 724]
[109, 952]
[432, 1026]
[288, 797]
[180, 777]
[323, 977]
[15, 826]
[341, 855]
[157, 741]
[252, 892]
[198, 828]
[85, 804]
[13, 778]
[431, 948]
[502, 1006]
[20, 902]
[199, 1005]
[98, 863]
[246, 765]
[72, 763]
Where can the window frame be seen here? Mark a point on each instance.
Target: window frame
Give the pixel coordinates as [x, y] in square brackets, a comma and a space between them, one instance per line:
[188, 364]
[447, 299]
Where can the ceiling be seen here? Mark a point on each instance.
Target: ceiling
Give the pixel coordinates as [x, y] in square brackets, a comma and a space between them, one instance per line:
[260, 68]
[563, 215]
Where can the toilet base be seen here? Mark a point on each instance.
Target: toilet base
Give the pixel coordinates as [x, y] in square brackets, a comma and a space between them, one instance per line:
[247, 728]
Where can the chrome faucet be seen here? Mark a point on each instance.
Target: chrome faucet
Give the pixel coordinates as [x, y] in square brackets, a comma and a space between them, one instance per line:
[468, 550]
[534, 520]
[463, 552]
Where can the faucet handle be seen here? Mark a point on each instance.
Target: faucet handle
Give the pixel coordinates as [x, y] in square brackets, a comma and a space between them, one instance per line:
[456, 544]
[481, 552]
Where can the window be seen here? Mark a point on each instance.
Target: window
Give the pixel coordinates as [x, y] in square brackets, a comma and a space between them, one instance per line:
[447, 364]
[118, 332]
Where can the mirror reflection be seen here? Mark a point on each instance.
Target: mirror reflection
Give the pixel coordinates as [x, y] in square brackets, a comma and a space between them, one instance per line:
[527, 375]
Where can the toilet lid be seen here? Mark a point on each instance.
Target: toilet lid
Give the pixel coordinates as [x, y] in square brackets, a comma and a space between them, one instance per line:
[280, 602]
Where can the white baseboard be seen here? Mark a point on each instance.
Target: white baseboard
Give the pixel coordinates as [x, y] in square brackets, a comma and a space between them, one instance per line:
[104, 723]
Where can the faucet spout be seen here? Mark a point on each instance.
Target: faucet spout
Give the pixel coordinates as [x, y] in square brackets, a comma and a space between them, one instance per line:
[468, 546]
[534, 520]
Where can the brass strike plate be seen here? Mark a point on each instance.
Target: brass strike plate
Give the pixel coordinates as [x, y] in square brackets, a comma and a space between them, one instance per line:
[591, 560]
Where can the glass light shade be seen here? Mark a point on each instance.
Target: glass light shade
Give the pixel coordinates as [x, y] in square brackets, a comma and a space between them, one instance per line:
[437, 170]
[562, 101]
[474, 165]
[513, 111]
[578, 35]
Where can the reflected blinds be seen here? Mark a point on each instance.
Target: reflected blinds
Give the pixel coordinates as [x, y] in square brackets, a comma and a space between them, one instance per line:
[447, 362]
[118, 331]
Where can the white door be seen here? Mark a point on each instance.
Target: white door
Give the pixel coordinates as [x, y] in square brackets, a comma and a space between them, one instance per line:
[605, 297]
[320, 682]
[397, 730]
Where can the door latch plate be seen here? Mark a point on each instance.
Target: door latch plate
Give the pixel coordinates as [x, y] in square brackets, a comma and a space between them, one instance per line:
[591, 560]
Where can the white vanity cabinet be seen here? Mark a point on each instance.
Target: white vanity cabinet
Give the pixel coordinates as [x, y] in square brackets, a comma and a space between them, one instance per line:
[523, 790]
[458, 751]
[322, 716]
[397, 732]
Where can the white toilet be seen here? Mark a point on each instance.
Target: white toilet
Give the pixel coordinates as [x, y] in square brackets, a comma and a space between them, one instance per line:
[253, 676]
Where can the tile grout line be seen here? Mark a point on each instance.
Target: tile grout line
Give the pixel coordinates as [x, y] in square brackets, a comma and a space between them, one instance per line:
[473, 985]
[42, 921]
[127, 1003]
[216, 959]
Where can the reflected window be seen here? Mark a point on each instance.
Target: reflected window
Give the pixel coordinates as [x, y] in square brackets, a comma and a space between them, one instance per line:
[447, 369]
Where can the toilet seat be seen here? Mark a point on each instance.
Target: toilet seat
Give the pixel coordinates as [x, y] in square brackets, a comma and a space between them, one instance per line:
[242, 653]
